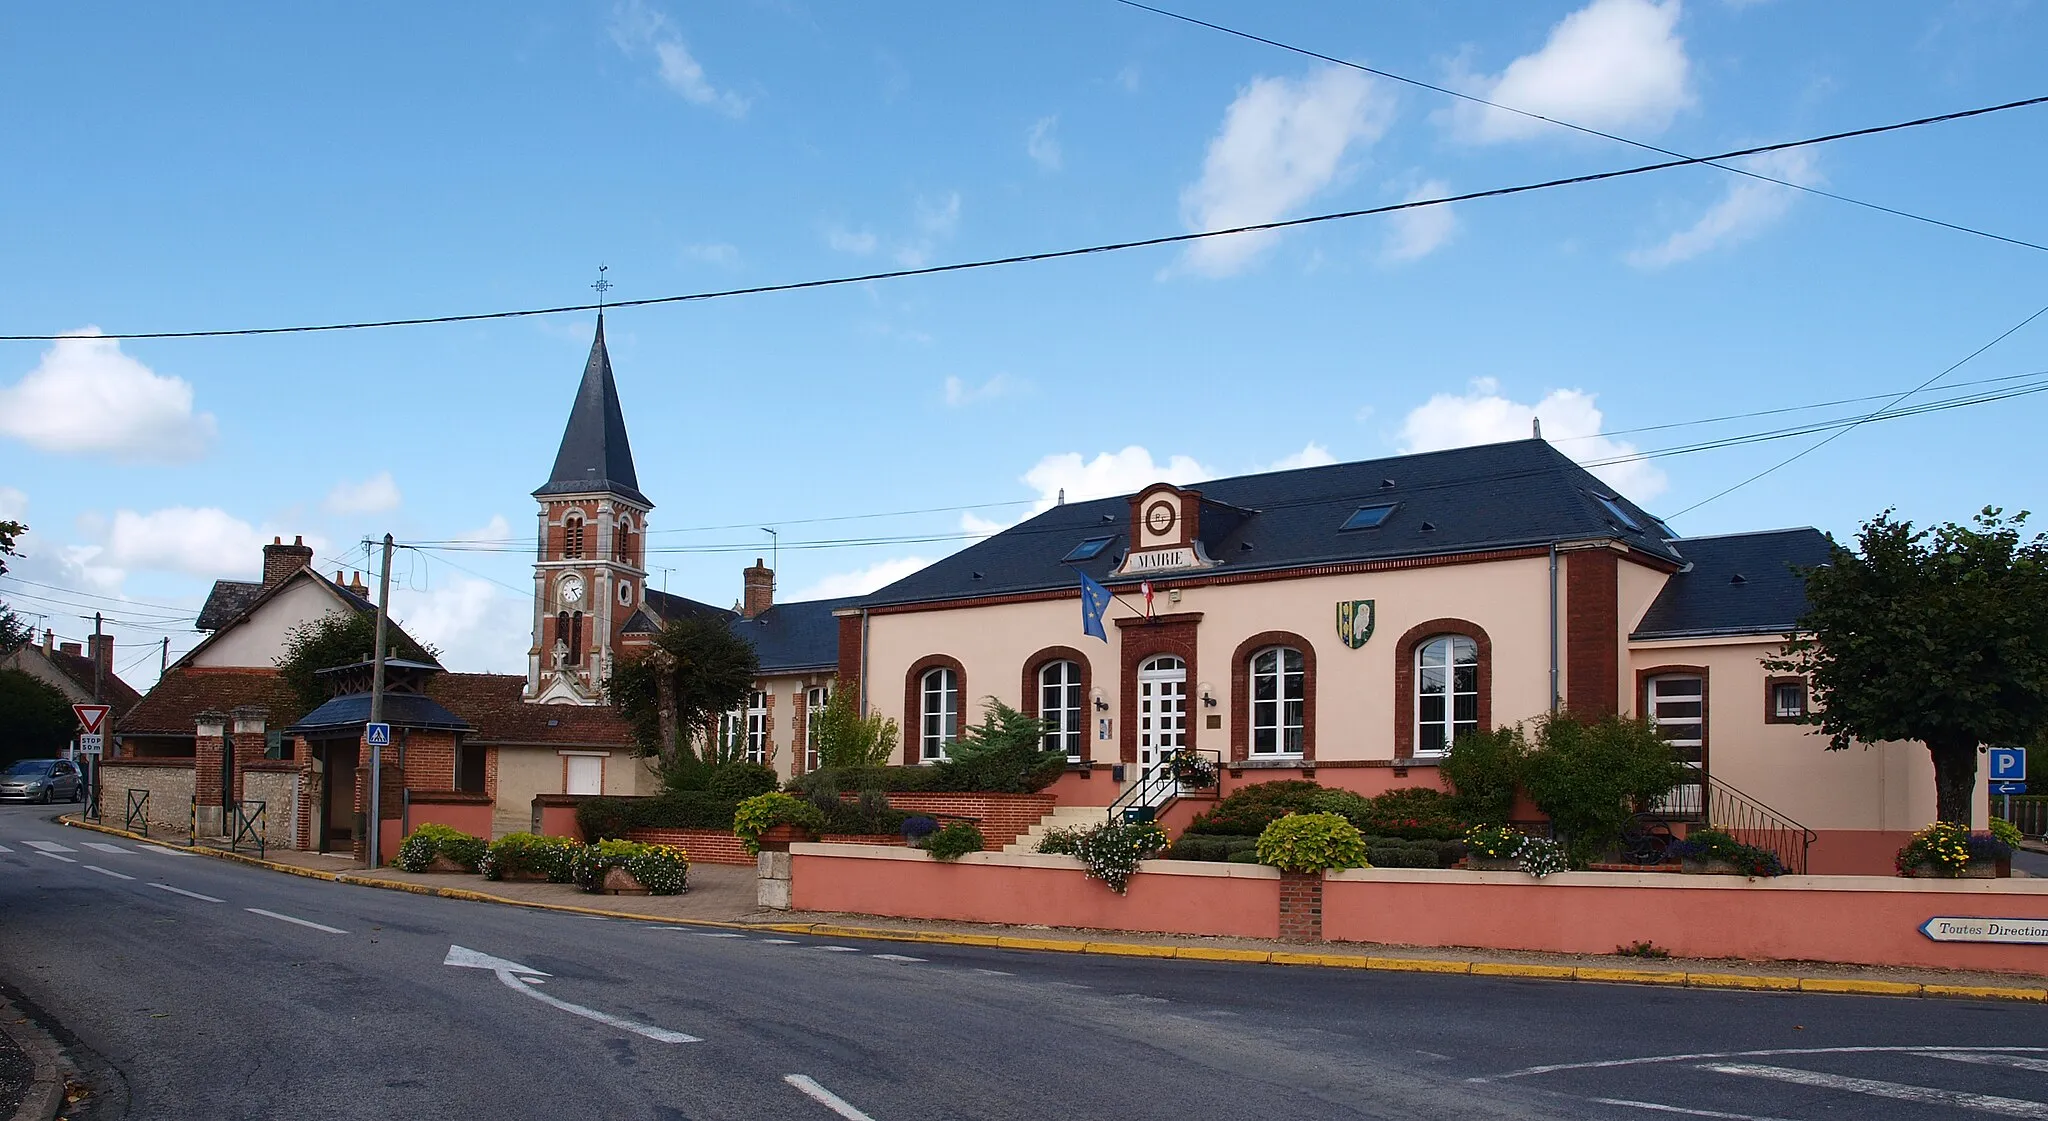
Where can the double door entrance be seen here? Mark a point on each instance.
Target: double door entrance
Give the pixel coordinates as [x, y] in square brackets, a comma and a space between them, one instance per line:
[1162, 724]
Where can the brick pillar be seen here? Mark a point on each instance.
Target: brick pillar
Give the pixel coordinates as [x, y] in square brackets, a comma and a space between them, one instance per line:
[1301, 906]
[209, 760]
[249, 737]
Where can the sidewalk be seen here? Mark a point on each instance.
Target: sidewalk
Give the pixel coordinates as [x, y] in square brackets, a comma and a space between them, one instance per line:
[723, 895]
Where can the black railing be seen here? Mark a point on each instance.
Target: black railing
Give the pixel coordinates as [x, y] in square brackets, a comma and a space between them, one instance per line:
[1750, 821]
[249, 827]
[2028, 813]
[137, 819]
[1188, 771]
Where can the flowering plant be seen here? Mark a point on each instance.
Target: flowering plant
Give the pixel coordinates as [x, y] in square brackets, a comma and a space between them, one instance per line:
[1495, 841]
[2006, 832]
[1190, 768]
[1540, 856]
[1946, 848]
[1113, 849]
[1717, 844]
[763, 812]
[661, 869]
[917, 827]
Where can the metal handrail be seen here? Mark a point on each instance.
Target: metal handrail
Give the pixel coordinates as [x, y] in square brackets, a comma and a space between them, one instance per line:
[1157, 787]
[138, 811]
[1754, 823]
[250, 827]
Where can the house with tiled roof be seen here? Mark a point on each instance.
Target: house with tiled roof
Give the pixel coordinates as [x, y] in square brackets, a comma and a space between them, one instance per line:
[1348, 622]
[83, 676]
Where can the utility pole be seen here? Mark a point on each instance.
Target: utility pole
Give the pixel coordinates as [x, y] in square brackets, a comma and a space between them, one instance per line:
[99, 669]
[376, 825]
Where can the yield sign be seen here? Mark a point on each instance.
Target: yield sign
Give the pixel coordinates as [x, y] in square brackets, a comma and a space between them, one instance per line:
[91, 717]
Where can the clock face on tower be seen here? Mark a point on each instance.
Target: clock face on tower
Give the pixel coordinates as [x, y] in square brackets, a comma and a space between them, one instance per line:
[571, 590]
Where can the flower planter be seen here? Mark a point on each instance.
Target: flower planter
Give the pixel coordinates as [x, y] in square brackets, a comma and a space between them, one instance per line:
[1975, 870]
[1708, 868]
[445, 864]
[523, 876]
[778, 838]
[618, 881]
[1477, 863]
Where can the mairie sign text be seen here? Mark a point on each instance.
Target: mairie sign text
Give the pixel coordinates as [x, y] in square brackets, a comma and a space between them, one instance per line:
[2012, 932]
[1161, 560]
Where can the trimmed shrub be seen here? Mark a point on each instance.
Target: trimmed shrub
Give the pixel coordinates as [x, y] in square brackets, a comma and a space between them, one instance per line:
[2006, 833]
[1004, 754]
[1591, 776]
[681, 809]
[602, 819]
[1717, 844]
[1415, 813]
[1313, 842]
[763, 812]
[1249, 809]
[422, 845]
[1485, 768]
[1243, 856]
[521, 854]
[857, 818]
[1195, 846]
[661, 869]
[737, 782]
[954, 841]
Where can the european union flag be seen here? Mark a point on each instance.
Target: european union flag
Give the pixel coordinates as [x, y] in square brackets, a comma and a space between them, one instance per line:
[1094, 601]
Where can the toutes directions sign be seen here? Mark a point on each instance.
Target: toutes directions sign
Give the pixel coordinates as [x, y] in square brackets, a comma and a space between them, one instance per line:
[2010, 932]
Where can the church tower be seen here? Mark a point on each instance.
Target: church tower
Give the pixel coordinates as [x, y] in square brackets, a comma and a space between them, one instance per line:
[590, 572]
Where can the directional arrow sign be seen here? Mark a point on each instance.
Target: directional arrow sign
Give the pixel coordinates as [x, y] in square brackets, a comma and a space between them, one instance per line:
[2008, 788]
[511, 974]
[2012, 932]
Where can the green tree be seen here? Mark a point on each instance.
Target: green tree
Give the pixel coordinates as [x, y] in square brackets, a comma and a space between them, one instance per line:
[1591, 776]
[35, 719]
[339, 638]
[675, 693]
[13, 632]
[848, 739]
[1485, 768]
[1004, 753]
[1937, 635]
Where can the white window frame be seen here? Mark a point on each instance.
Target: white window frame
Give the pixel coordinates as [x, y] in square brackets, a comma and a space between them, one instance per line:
[1280, 719]
[937, 727]
[1687, 797]
[815, 700]
[757, 727]
[1798, 689]
[1062, 707]
[1440, 653]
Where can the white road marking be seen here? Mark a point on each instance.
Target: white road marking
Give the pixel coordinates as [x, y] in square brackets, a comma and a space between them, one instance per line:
[48, 846]
[4, 848]
[810, 1089]
[188, 894]
[102, 846]
[161, 850]
[1897, 1091]
[1715, 1113]
[56, 856]
[289, 919]
[2018, 1062]
[107, 872]
[533, 980]
[780, 941]
[1142, 998]
[519, 977]
[994, 973]
[841, 949]
[1774, 1052]
[896, 957]
[716, 934]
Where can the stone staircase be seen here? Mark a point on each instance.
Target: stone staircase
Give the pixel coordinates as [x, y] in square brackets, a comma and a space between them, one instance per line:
[1062, 817]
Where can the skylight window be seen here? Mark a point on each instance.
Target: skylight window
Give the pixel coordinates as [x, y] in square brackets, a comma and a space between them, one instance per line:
[1367, 517]
[1614, 508]
[1087, 550]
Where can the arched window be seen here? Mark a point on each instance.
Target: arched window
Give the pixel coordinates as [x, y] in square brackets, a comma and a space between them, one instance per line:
[939, 713]
[1446, 692]
[575, 638]
[622, 542]
[572, 536]
[1279, 701]
[561, 630]
[1060, 706]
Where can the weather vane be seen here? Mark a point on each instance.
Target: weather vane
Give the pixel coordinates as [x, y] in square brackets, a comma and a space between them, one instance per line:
[602, 286]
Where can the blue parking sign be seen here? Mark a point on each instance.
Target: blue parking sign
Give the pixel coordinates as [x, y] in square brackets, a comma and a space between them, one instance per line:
[2008, 764]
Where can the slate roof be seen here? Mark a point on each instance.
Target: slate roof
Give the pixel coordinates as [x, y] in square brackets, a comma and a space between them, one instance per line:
[171, 707]
[595, 457]
[1493, 496]
[243, 607]
[795, 637]
[228, 600]
[1740, 583]
[490, 703]
[401, 710]
[662, 607]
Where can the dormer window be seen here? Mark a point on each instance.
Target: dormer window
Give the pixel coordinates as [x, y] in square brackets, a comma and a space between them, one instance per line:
[1087, 550]
[1367, 517]
[1614, 510]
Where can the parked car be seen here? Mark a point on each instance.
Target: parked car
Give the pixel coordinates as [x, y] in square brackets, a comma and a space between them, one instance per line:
[41, 780]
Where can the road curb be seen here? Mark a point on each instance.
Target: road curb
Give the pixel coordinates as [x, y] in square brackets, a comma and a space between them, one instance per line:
[1581, 973]
[45, 1093]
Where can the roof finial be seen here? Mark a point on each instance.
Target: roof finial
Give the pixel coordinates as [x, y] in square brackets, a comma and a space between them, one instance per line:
[1536, 427]
[602, 287]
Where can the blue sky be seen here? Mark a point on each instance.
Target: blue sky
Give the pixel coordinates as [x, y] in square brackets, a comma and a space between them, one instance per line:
[228, 165]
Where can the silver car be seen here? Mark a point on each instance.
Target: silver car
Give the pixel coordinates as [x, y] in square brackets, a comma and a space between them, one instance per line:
[41, 780]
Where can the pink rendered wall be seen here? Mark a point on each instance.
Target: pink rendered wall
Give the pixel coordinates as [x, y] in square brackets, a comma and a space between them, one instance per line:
[1773, 921]
[474, 820]
[923, 888]
[1092, 788]
[1855, 852]
[559, 821]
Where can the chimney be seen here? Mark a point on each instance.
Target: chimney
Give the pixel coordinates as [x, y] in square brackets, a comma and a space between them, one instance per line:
[280, 560]
[103, 652]
[356, 585]
[759, 585]
[71, 648]
[49, 640]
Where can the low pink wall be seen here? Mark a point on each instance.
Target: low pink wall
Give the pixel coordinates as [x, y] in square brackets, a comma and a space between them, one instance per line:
[558, 821]
[1855, 852]
[1862, 920]
[1033, 890]
[1085, 788]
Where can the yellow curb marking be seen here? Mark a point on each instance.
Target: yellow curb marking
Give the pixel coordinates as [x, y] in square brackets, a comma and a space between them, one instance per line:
[1741, 981]
[1507, 969]
[1985, 992]
[1041, 944]
[1205, 953]
[1127, 949]
[1632, 976]
[1860, 988]
[1417, 965]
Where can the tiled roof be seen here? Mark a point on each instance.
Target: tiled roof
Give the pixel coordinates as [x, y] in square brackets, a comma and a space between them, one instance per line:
[254, 600]
[401, 710]
[79, 668]
[793, 637]
[1741, 583]
[595, 457]
[490, 703]
[1494, 496]
[171, 707]
[228, 599]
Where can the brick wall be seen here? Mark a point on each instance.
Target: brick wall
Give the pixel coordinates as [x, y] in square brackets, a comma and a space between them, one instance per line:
[1002, 818]
[429, 759]
[169, 784]
[1592, 670]
[1301, 906]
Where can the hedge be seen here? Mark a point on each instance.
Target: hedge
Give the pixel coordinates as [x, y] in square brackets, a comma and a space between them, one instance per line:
[1417, 813]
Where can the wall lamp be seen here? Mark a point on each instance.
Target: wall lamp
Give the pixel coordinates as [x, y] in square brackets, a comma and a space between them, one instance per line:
[1208, 696]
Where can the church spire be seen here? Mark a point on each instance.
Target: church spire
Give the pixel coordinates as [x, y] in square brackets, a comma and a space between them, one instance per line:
[595, 457]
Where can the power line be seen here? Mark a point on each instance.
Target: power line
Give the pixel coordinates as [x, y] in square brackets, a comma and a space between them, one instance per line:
[97, 595]
[1876, 415]
[1711, 161]
[1060, 254]
[1778, 411]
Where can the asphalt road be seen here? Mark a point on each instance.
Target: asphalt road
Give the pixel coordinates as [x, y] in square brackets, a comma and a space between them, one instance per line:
[216, 990]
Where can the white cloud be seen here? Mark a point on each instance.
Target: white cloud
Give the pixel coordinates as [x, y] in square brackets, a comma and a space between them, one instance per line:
[1613, 64]
[1414, 234]
[1570, 421]
[719, 254]
[204, 541]
[1041, 145]
[640, 28]
[861, 581]
[1130, 78]
[477, 626]
[86, 396]
[1313, 455]
[1282, 142]
[13, 504]
[959, 393]
[936, 219]
[1748, 207]
[860, 243]
[373, 495]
